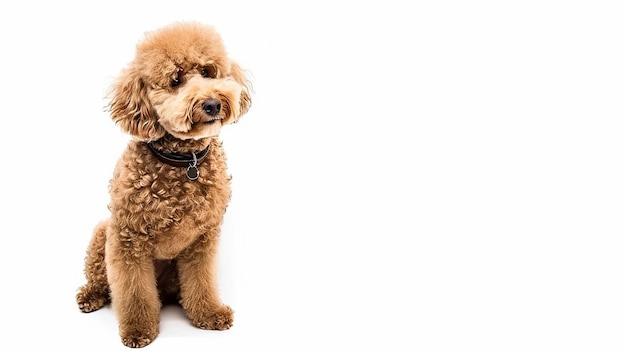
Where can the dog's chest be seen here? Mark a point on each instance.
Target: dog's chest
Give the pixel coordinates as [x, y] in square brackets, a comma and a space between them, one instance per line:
[160, 205]
[184, 219]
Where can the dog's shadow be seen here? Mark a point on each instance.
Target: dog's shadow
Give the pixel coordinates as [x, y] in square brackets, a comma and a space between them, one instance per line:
[173, 321]
[175, 324]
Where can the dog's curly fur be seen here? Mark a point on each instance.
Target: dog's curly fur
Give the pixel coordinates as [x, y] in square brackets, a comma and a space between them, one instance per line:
[160, 241]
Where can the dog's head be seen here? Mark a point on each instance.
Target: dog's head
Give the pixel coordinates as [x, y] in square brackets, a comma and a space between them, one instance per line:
[181, 82]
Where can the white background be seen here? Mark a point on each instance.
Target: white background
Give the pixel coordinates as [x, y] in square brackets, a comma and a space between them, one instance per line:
[444, 175]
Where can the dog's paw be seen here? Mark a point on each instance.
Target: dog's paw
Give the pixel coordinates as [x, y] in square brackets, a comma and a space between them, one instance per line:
[136, 338]
[219, 319]
[89, 301]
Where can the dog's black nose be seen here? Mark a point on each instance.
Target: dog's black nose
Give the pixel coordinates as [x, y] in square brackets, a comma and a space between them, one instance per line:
[212, 107]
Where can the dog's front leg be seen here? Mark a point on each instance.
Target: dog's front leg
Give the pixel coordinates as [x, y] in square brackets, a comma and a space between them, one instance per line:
[134, 295]
[198, 286]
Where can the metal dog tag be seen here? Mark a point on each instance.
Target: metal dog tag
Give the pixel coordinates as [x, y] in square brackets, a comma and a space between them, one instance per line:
[192, 172]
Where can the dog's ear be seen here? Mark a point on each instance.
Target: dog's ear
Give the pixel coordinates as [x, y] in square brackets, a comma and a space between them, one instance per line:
[240, 77]
[131, 109]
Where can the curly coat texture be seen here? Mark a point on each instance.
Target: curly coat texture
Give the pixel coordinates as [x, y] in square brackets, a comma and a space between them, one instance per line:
[160, 242]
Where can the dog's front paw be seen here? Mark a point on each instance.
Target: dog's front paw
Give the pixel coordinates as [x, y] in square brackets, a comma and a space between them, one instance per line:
[220, 318]
[136, 337]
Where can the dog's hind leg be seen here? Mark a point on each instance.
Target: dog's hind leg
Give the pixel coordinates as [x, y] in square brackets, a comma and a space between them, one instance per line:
[167, 281]
[93, 295]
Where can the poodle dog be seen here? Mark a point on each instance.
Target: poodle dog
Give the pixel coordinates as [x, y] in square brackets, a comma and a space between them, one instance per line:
[170, 188]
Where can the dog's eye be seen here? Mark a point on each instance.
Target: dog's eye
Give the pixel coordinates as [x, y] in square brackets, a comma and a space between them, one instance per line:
[208, 72]
[177, 80]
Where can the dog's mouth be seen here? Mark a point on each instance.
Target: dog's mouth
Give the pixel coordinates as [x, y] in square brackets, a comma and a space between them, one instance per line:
[206, 121]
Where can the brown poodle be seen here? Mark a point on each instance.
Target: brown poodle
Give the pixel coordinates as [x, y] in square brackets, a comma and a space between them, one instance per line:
[170, 188]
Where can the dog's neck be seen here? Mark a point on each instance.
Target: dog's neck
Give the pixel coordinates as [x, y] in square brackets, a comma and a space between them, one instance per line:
[173, 145]
[181, 153]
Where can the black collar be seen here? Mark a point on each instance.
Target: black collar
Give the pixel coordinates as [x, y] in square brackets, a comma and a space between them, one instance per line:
[190, 161]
